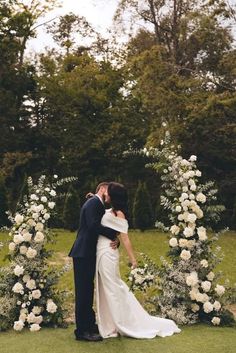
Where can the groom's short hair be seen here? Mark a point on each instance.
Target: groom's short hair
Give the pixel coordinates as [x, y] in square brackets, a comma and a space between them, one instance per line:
[104, 183]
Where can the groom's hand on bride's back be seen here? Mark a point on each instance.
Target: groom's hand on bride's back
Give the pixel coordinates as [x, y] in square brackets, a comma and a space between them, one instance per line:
[89, 195]
[115, 244]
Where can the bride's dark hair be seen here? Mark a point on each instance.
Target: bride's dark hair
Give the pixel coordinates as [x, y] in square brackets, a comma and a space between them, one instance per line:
[119, 197]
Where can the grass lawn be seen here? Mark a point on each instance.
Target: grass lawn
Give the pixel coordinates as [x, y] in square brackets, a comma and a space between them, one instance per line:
[193, 339]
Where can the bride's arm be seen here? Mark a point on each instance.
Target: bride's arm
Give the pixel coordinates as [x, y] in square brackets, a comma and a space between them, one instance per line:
[127, 243]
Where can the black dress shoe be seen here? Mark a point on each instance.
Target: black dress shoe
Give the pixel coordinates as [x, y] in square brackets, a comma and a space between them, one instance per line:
[88, 336]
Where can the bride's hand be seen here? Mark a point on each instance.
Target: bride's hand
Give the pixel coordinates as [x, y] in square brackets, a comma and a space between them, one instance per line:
[133, 264]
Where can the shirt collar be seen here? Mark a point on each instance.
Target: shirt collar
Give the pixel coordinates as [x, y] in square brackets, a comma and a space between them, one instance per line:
[100, 198]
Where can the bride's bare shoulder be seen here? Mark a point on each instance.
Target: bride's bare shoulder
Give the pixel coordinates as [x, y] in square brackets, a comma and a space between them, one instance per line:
[120, 214]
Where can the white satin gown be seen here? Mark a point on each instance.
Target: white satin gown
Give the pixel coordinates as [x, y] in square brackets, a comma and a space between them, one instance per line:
[118, 311]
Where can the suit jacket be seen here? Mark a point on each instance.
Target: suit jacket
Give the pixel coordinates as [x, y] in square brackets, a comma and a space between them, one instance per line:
[90, 228]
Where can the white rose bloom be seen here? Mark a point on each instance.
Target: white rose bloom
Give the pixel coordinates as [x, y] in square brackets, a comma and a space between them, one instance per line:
[186, 175]
[178, 208]
[51, 306]
[175, 230]
[23, 249]
[44, 199]
[173, 242]
[33, 197]
[183, 243]
[36, 294]
[18, 270]
[193, 158]
[206, 286]
[191, 197]
[188, 232]
[12, 246]
[38, 319]
[46, 216]
[204, 263]
[193, 187]
[198, 173]
[34, 327]
[185, 189]
[47, 189]
[191, 182]
[39, 227]
[27, 236]
[192, 279]
[217, 305]
[185, 255]
[194, 293]
[31, 284]
[208, 307]
[210, 276]
[26, 278]
[36, 310]
[215, 320]
[55, 176]
[39, 237]
[199, 297]
[53, 193]
[17, 288]
[31, 222]
[22, 317]
[184, 163]
[31, 253]
[180, 217]
[19, 219]
[18, 325]
[184, 196]
[201, 231]
[199, 213]
[201, 197]
[35, 216]
[195, 308]
[191, 218]
[191, 243]
[51, 205]
[185, 203]
[18, 238]
[219, 289]
[31, 318]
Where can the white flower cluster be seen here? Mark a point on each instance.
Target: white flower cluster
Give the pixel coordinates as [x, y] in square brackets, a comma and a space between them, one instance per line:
[141, 278]
[29, 235]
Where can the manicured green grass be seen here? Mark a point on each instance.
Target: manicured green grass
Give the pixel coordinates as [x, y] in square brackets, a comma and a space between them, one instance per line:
[193, 339]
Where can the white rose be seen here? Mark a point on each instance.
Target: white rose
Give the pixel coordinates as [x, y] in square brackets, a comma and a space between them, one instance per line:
[201, 197]
[31, 253]
[51, 306]
[36, 294]
[33, 197]
[204, 263]
[184, 163]
[22, 317]
[199, 213]
[191, 243]
[217, 305]
[18, 325]
[39, 237]
[55, 176]
[173, 242]
[191, 197]
[178, 208]
[34, 327]
[17, 288]
[53, 193]
[31, 318]
[219, 289]
[198, 173]
[44, 199]
[191, 218]
[39, 226]
[183, 242]
[31, 284]
[26, 278]
[180, 217]
[184, 196]
[18, 270]
[27, 236]
[206, 286]
[19, 219]
[211, 276]
[31, 222]
[36, 310]
[193, 187]
[215, 320]
[175, 230]
[195, 308]
[18, 238]
[207, 307]
[38, 319]
[194, 293]
[185, 189]
[23, 249]
[193, 158]
[191, 182]
[188, 232]
[35, 216]
[185, 255]
[192, 279]
[12, 246]
[51, 205]
[201, 231]
[46, 216]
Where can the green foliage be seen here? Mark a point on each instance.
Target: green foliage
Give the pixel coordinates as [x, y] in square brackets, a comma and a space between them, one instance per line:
[3, 202]
[142, 209]
[71, 209]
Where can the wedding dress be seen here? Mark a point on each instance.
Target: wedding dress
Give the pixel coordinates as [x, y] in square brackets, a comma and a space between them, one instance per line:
[118, 311]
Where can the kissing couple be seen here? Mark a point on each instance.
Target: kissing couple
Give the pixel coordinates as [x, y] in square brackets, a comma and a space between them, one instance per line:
[95, 255]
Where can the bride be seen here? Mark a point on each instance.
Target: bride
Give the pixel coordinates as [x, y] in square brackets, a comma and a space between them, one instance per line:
[118, 311]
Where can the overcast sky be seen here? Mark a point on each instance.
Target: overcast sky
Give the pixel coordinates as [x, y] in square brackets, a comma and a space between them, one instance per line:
[98, 12]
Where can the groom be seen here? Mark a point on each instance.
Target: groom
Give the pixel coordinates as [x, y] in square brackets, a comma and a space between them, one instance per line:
[83, 253]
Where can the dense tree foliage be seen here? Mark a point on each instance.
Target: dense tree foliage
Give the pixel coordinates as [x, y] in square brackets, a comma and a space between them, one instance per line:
[80, 109]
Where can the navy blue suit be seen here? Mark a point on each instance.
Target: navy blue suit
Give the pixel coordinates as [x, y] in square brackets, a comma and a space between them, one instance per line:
[83, 252]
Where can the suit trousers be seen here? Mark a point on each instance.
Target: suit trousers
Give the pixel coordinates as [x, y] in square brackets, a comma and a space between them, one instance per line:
[84, 271]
